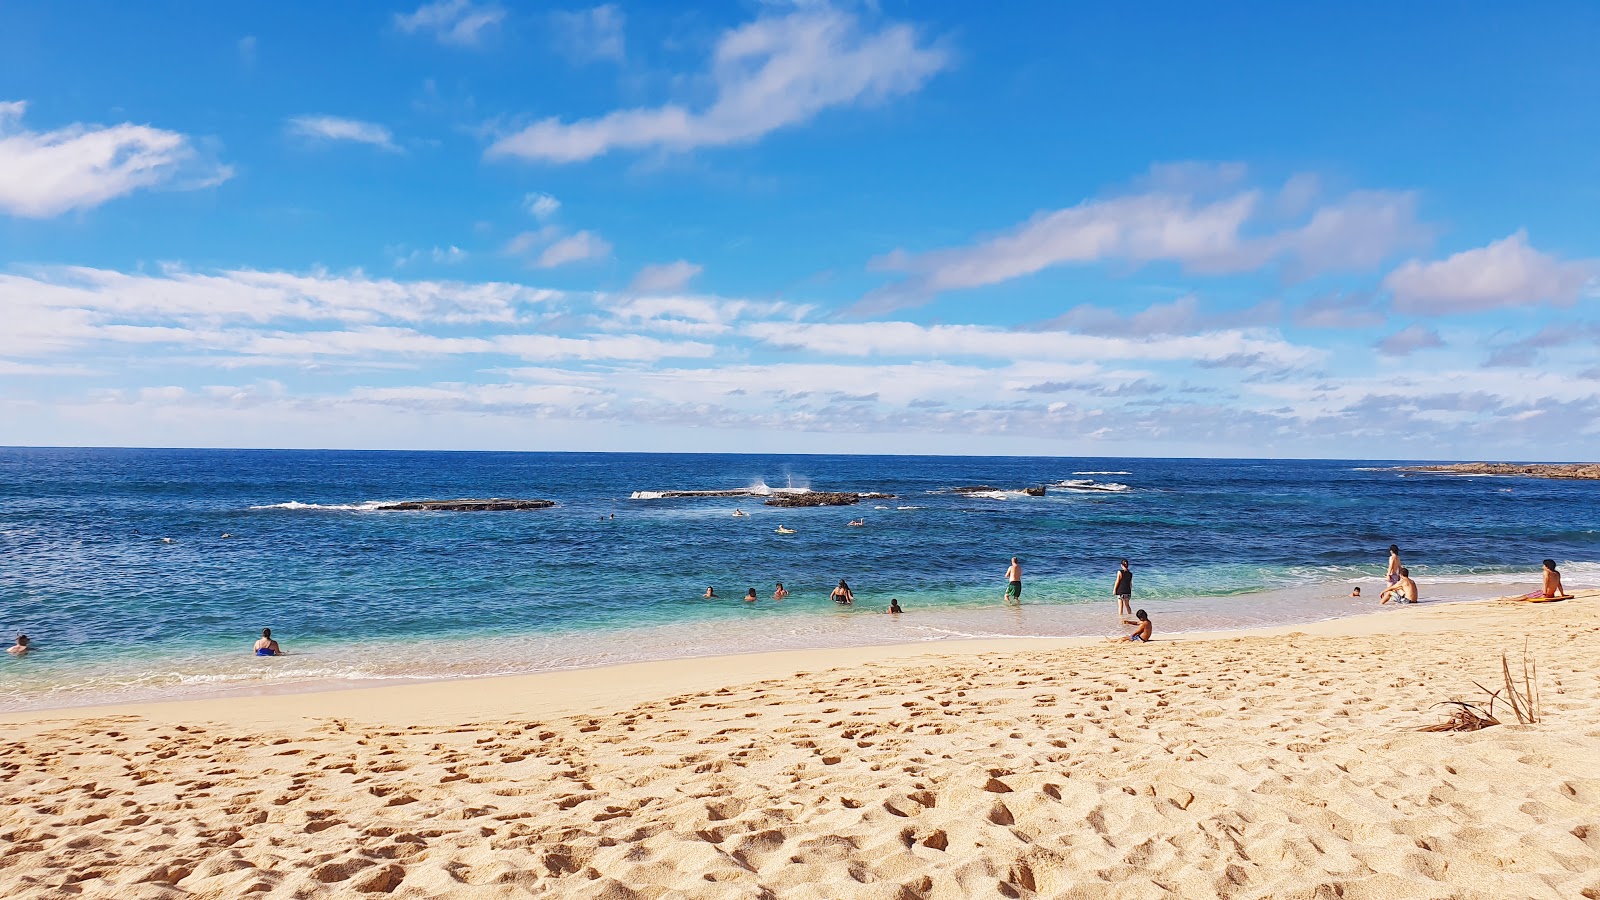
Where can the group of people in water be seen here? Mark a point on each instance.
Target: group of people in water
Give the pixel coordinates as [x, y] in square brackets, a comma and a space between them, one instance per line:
[1401, 588]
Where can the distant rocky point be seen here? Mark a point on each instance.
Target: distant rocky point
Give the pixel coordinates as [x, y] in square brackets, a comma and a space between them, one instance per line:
[1526, 470]
[494, 504]
[824, 498]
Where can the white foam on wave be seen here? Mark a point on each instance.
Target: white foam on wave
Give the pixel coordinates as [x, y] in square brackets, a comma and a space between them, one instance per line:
[994, 495]
[365, 506]
[905, 507]
[1102, 473]
[1087, 484]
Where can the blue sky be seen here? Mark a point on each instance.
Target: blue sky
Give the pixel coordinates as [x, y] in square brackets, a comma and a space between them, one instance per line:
[1364, 231]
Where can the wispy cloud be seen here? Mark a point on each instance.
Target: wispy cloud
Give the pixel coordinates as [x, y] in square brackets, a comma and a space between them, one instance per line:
[457, 23]
[1508, 272]
[334, 128]
[550, 247]
[773, 73]
[541, 205]
[47, 173]
[666, 277]
[1409, 340]
[591, 34]
[1171, 221]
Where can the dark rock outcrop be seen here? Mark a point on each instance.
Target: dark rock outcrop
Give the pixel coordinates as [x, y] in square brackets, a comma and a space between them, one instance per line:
[494, 504]
[1036, 491]
[815, 498]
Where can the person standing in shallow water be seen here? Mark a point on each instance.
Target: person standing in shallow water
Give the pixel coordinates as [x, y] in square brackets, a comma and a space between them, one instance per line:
[1014, 581]
[1123, 589]
[1393, 574]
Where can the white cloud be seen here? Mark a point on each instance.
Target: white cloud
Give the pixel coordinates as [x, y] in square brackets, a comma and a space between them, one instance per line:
[1508, 272]
[1180, 316]
[459, 23]
[47, 173]
[1170, 221]
[334, 128]
[1409, 340]
[583, 245]
[665, 278]
[772, 73]
[542, 206]
[591, 34]
[907, 339]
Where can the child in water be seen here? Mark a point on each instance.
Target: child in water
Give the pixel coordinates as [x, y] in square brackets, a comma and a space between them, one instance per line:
[894, 607]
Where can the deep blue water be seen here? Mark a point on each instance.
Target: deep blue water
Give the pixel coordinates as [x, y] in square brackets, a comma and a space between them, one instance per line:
[120, 612]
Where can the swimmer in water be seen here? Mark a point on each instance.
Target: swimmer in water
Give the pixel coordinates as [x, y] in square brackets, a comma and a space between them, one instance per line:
[1355, 592]
[267, 646]
[739, 513]
[710, 594]
[894, 607]
[750, 596]
[21, 648]
[781, 592]
[857, 523]
[842, 594]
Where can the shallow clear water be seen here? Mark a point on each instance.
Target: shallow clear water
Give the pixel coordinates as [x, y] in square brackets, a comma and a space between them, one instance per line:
[114, 561]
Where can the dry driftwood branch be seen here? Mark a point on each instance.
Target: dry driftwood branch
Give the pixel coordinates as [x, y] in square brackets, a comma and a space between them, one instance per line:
[1522, 698]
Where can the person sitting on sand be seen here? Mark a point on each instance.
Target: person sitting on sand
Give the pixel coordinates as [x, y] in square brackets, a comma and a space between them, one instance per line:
[21, 647]
[1140, 634]
[267, 646]
[750, 596]
[1355, 592]
[710, 594]
[781, 592]
[842, 595]
[894, 607]
[1552, 583]
[1405, 591]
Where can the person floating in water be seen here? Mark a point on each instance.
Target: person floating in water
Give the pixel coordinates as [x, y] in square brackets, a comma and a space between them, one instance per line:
[21, 647]
[781, 592]
[267, 646]
[1393, 575]
[710, 594]
[750, 596]
[894, 607]
[857, 523]
[1552, 583]
[1355, 592]
[1014, 581]
[842, 595]
[1143, 631]
[1123, 590]
[1403, 591]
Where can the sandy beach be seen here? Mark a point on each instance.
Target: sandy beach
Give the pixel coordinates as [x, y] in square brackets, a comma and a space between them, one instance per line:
[1274, 763]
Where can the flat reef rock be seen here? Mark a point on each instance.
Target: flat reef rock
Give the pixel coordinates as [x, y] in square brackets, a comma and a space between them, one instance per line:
[1037, 490]
[1587, 471]
[493, 504]
[824, 498]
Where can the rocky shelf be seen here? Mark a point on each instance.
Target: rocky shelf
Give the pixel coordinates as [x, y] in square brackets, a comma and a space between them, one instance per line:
[1589, 471]
[1035, 491]
[494, 504]
[824, 498]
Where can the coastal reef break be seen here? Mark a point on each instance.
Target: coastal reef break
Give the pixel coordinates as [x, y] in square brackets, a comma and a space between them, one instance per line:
[493, 504]
[1581, 471]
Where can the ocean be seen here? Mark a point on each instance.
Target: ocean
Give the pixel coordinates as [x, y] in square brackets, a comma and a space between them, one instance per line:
[148, 574]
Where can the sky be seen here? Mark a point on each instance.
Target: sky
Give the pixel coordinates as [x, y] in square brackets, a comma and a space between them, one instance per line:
[1360, 230]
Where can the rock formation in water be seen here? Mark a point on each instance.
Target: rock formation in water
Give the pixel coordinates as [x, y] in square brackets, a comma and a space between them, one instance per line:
[824, 498]
[494, 504]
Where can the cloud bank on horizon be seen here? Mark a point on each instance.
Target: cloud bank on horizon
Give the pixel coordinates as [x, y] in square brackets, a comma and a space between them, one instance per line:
[806, 228]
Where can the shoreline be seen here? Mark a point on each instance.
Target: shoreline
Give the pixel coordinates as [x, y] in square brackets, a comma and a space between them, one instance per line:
[575, 690]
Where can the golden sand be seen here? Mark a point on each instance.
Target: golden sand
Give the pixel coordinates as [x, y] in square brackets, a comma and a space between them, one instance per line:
[1274, 764]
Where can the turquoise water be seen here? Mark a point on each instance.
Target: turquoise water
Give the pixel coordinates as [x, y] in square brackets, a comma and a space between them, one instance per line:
[115, 560]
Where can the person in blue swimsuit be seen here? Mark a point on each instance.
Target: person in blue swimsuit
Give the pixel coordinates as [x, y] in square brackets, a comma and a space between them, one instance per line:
[267, 646]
